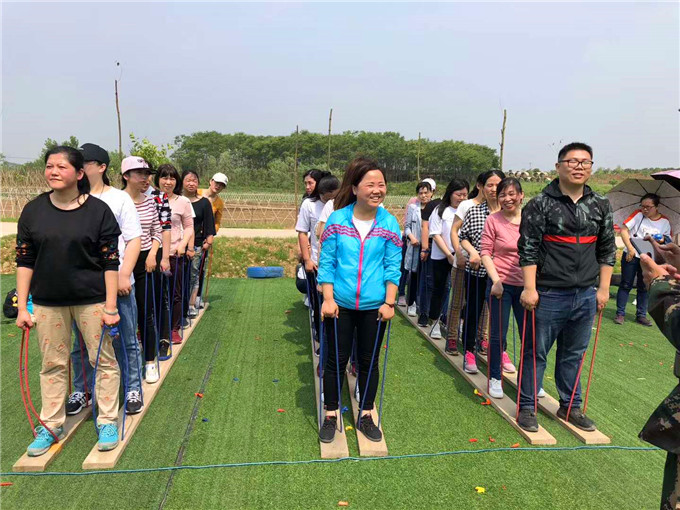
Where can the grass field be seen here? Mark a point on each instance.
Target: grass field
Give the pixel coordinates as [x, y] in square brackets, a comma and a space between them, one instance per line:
[256, 332]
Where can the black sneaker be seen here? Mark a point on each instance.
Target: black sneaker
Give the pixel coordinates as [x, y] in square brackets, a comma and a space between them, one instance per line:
[327, 432]
[133, 403]
[77, 401]
[164, 350]
[577, 418]
[369, 429]
[527, 420]
[422, 320]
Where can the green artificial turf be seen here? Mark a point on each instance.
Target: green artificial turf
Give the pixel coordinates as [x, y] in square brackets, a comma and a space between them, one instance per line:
[258, 332]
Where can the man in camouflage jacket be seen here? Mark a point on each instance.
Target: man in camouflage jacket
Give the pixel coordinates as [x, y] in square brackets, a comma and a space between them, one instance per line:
[663, 427]
[567, 243]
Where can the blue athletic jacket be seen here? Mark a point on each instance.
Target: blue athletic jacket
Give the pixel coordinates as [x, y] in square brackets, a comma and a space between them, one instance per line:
[359, 270]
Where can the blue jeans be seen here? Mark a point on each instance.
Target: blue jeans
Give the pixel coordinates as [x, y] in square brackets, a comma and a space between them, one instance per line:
[130, 371]
[565, 315]
[628, 272]
[499, 309]
[425, 286]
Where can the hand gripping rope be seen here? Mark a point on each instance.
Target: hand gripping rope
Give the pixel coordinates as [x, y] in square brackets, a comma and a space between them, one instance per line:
[521, 361]
[590, 374]
[370, 368]
[24, 386]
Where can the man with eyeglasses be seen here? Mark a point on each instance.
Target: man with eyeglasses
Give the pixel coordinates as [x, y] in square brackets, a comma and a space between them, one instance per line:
[566, 245]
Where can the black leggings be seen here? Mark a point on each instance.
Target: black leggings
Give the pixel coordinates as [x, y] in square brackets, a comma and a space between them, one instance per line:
[365, 322]
[475, 287]
[441, 272]
[177, 280]
[145, 311]
[314, 301]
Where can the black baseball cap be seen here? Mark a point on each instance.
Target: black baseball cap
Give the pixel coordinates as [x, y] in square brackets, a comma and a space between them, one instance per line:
[92, 152]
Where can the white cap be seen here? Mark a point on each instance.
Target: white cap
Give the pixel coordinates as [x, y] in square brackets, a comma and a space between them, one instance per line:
[221, 178]
[432, 183]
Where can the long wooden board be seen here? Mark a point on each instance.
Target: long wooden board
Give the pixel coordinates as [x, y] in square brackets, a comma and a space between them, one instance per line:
[336, 449]
[107, 460]
[71, 425]
[367, 448]
[550, 405]
[505, 406]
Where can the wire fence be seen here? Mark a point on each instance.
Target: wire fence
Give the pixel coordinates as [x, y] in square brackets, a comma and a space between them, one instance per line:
[242, 209]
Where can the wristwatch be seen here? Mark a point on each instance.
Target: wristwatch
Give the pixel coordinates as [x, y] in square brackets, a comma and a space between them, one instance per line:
[391, 305]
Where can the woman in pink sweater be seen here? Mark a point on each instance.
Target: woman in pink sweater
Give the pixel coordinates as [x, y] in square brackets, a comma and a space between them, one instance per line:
[501, 260]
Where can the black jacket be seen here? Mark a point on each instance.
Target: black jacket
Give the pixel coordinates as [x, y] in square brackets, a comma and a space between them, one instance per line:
[567, 241]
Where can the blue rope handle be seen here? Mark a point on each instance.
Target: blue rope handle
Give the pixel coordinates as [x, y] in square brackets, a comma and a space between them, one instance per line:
[370, 369]
[113, 330]
[384, 374]
[337, 374]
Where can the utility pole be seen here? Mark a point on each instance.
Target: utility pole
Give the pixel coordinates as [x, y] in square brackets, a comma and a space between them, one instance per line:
[418, 157]
[505, 116]
[330, 122]
[295, 167]
[120, 136]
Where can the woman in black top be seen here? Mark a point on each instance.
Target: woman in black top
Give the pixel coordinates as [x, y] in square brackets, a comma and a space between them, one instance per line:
[67, 258]
[204, 230]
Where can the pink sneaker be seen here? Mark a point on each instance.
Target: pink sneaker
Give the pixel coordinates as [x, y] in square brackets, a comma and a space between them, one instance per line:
[507, 364]
[176, 339]
[470, 364]
[484, 347]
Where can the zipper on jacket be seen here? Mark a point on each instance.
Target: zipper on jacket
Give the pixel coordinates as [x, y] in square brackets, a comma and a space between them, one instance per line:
[361, 258]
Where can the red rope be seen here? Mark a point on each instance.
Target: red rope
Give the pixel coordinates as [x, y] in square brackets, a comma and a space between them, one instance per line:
[28, 389]
[521, 365]
[592, 361]
[21, 384]
[573, 392]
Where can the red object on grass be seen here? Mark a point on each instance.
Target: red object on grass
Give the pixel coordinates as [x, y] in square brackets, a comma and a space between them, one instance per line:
[280, 410]
[6, 484]
[473, 440]
[199, 395]
[516, 445]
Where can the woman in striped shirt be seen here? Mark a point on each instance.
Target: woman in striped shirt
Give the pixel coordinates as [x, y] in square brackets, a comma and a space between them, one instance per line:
[136, 173]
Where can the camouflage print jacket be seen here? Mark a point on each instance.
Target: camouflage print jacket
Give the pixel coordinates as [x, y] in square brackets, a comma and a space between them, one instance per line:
[663, 427]
[567, 241]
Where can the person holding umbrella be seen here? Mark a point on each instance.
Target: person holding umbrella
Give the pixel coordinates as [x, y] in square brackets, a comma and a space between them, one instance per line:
[646, 221]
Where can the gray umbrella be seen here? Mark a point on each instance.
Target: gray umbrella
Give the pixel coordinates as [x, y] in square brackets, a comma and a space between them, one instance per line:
[625, 199]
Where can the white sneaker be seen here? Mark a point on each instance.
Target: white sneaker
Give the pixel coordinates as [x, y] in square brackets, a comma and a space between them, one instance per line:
[402, 301]
[436, 332]
[199, 303]
[541, 393]
[151, 373]
[412, 311]
[193, 312]
[495, 388]
[357, 395]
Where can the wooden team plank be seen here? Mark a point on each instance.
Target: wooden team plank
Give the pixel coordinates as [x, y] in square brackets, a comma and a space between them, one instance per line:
[336, 449]
[71, 425]
[505, 406]
[550, 406]
[367, 448]
[108, 460]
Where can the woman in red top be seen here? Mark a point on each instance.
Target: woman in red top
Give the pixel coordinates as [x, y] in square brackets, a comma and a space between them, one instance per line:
[501, 260]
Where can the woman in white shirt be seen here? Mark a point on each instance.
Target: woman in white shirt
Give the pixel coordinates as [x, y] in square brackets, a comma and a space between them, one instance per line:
[310, 210]
[646, 221]
[442, 253]
[412, 233]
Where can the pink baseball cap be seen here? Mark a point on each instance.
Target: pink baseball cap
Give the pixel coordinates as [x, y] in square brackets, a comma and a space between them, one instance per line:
[134, 163]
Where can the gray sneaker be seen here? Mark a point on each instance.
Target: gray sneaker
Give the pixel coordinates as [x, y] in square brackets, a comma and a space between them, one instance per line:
[527, 420]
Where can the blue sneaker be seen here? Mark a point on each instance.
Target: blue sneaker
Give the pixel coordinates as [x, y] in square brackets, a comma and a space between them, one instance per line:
[108, 437]
[43, 440]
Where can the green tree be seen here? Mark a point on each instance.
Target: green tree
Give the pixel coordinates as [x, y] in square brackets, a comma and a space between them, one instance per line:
[155, 155]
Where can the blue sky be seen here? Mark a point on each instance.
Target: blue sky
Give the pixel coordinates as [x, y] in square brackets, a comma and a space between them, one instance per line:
[603, 73]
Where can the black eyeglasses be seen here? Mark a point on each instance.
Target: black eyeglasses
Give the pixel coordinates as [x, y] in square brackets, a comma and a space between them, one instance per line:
[574, 163]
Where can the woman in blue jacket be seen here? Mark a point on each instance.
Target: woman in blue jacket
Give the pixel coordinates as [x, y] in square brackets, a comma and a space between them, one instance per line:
[359, 274]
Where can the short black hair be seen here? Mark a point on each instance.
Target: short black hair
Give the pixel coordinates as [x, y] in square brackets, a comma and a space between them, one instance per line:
[423, 184]
[168, 170]
[574, 146]
[508, 182]
[328, 184]
[656, 199]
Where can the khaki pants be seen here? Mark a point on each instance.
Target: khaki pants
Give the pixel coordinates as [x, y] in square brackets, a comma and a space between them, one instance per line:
[53, 324]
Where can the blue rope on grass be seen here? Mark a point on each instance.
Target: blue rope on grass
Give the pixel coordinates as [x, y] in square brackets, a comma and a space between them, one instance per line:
[335, 461]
